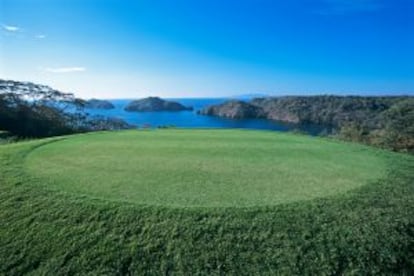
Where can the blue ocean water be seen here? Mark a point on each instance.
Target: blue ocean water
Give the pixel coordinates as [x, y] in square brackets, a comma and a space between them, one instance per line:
[190, 119]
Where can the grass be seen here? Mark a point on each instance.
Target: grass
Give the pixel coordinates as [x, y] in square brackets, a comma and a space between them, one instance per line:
[5, 137]
[50, 228]
[205, 168]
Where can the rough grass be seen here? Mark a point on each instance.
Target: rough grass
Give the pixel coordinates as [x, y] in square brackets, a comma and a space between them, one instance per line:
[214, 168]
[368, 230]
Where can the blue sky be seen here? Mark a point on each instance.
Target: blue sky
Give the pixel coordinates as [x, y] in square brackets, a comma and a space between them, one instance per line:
[189, 48]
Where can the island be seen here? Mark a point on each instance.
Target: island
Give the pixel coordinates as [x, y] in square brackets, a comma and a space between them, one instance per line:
[233, 109]
[99, 104]
[152, 104]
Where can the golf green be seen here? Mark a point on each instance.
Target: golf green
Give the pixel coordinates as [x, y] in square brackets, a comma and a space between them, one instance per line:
[203, 168]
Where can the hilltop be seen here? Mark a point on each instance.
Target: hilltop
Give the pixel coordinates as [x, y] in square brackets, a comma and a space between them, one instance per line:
[151, 104]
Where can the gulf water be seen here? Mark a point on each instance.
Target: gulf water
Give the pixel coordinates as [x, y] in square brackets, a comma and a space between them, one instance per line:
[190, 119]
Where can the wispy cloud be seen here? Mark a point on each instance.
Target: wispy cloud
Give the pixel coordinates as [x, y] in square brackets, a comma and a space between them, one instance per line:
[10, 28]
[61, 70]
[349, 6]
[15, 31]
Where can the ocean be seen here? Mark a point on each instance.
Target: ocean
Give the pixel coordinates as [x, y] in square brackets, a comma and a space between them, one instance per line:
[190, 119]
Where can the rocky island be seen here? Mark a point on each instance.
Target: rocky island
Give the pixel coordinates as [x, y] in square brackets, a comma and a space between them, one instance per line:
[99, 104]
[278, 109]
[233, 109]
[152, 104]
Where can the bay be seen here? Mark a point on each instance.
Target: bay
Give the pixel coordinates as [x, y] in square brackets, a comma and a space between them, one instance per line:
[190, 119]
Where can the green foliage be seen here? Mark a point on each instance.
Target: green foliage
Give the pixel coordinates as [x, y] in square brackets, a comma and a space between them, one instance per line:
[369, 230]
[399, 134]
[386, 122]
[32, 110]
[330, 111]
[29, 119]
[395, 130]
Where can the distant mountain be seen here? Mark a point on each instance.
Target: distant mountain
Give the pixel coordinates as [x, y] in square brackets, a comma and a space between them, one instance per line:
[99, 104]
[249, 96]
[152, 104]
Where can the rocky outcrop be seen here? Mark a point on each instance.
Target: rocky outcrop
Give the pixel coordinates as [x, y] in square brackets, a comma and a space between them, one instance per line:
[99, 104]
[234, 110]
[152, 104]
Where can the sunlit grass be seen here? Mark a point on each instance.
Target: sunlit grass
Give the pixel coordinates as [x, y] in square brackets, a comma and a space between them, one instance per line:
[204, 167]
[50, 228]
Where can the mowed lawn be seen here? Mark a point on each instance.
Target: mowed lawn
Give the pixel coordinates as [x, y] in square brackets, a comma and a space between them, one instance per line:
[204, 202]
[206, 168]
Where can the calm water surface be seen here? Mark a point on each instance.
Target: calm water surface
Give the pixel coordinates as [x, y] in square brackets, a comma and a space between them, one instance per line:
[190, 119]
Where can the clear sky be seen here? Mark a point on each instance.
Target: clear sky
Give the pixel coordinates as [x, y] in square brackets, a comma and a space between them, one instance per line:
[209, 48]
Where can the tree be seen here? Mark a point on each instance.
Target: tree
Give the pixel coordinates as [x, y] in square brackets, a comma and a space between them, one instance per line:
[32, 110]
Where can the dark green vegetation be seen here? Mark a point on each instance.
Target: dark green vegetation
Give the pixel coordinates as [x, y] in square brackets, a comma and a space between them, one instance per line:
[6, 137]
[208, 168]
[155, 104]
[386, 122]
[46, 229]
[99, 104]
[33, 110]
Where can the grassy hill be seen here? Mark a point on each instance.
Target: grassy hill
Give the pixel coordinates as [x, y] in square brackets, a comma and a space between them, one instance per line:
[204, 201]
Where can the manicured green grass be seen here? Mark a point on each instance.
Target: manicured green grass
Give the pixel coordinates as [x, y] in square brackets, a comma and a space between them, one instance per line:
[209, 168]
[50, 228]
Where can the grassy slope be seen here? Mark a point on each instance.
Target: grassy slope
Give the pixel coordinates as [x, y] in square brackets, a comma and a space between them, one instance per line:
[368, 230]
[213, 168]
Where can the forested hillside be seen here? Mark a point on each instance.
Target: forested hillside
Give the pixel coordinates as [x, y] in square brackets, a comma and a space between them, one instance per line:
[381, 121]
[33, 110]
